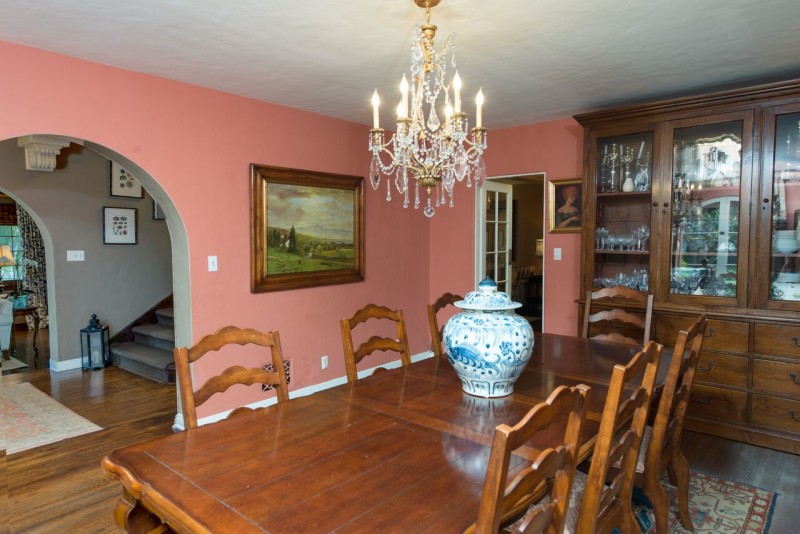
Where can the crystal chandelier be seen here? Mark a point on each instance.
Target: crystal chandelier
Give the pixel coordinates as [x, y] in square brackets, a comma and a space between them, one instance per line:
[436, 153]
[686, 199]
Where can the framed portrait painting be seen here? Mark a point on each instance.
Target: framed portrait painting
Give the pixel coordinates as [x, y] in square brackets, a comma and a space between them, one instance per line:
[564, 206]
[123, 183]
[307, 229]
[119, 226]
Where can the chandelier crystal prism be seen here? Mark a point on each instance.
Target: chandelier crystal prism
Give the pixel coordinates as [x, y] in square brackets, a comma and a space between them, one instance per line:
[434, 152]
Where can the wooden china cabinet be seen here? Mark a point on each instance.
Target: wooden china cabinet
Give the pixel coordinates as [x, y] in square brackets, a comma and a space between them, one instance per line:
[697, 200]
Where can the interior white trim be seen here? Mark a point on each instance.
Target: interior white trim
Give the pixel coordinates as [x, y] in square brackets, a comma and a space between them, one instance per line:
[65, 365]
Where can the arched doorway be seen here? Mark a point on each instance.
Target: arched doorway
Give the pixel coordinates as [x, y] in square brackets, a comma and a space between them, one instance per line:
[28, 188]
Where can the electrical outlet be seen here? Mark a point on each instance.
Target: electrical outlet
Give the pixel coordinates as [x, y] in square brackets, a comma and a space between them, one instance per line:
[74, 255]
[324, 362]
[212, 264]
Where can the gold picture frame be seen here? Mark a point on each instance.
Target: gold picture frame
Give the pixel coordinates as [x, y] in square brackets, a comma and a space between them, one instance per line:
[565, 211]
[307, 229]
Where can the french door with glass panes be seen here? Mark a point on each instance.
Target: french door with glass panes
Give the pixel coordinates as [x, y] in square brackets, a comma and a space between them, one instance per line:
[494, 246]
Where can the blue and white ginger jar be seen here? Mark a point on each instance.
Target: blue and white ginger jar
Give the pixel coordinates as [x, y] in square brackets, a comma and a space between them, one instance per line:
[488, 344]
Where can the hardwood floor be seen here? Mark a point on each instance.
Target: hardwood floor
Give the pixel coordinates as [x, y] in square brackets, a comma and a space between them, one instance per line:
[61, 488]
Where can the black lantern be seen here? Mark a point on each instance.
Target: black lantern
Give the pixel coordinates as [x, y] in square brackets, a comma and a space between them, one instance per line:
[94, 345]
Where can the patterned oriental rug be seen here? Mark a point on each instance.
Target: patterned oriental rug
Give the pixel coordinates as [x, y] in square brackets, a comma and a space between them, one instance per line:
[716, 506]
[32, 419]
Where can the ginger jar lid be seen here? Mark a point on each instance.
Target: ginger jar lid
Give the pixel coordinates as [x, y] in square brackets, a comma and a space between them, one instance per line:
[487, 298]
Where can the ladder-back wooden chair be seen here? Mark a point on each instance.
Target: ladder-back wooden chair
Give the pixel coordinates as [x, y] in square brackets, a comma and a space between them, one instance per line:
[541, 489]
[605, 498]
[661, 444]
[234, 374]
[617, 324]
[443, 301]
[353, 356]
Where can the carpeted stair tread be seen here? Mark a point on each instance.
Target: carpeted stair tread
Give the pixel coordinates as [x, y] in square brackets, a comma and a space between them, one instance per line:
[145, 360]
[157, 335]
[166, 316]
[143, 353]
[158, 331]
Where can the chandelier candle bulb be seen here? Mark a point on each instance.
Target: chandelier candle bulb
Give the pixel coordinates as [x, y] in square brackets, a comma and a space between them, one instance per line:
[404, 101]
[479, 109]
[457, 92]
[376, 101]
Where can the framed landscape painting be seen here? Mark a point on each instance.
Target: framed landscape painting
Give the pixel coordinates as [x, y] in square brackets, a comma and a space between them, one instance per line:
[307, 229]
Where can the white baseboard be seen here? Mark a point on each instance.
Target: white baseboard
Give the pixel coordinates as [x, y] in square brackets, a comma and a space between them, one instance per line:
[178, 425]
[66, 365]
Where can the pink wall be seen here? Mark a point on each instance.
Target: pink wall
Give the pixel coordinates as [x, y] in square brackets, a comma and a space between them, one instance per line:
[198, 144]
[554, 148]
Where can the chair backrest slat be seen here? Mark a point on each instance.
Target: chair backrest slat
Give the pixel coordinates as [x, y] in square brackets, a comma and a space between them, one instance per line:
[353, 355]
[609, 486]
[233, 374]
[551, 474]
[615, 323]
[447, 299]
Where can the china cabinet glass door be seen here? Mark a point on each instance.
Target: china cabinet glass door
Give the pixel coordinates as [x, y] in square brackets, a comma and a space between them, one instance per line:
[623, 168]
[708, 191]
[780, 216]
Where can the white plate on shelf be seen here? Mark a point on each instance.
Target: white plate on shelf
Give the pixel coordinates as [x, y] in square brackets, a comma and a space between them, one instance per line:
[790, 291]
[788, 277]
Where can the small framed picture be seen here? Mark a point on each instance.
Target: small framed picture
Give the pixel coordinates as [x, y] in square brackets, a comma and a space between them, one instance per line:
[119, 226]
[123, 183]
[158, 213]
[564, 206]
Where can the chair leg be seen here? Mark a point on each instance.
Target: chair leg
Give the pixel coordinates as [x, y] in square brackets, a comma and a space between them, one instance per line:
[680, 467]
[655, 492]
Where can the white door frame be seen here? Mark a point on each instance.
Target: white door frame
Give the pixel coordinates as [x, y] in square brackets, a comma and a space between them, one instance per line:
[480, 221]
[480, 259]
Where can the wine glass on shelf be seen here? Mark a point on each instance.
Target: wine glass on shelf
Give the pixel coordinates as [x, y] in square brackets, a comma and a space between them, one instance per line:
[601, 233]
[644, 235]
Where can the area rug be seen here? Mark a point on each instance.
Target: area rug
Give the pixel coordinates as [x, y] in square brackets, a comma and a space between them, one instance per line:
[32, 419]
[12, 363]
[718, 506]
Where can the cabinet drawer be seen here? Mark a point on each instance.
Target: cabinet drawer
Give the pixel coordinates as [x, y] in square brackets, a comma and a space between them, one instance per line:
[777, 340]
[718, 403]
[727, 336]
[780, 414]
[776, 377]
[724, 369]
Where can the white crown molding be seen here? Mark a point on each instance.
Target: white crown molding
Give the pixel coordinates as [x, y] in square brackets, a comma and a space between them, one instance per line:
[41, 151]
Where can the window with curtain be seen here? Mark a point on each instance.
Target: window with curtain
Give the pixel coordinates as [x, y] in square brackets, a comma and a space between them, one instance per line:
[9, 235]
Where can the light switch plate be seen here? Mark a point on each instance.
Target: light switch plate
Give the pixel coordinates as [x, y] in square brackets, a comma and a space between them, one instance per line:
[557, 254]
[212, 264]
[74, 255]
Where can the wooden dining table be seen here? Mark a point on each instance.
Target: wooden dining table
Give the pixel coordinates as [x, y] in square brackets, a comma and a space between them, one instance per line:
[404, 450]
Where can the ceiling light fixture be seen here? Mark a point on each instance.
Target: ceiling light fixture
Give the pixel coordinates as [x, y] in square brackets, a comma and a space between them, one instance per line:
[437, 153]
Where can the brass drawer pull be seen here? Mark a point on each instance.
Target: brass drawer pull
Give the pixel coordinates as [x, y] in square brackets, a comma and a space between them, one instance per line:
[706, 369]
[795, 341]
[793, 376]
[708, 400]
[793, 416]
[710, 332]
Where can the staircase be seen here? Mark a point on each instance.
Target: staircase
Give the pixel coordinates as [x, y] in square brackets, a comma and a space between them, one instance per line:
[150, 352]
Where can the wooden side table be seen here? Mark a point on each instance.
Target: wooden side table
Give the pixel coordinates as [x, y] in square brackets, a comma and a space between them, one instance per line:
[24, 312]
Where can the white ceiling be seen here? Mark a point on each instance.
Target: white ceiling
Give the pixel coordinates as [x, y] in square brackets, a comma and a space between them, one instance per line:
[535, 59]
